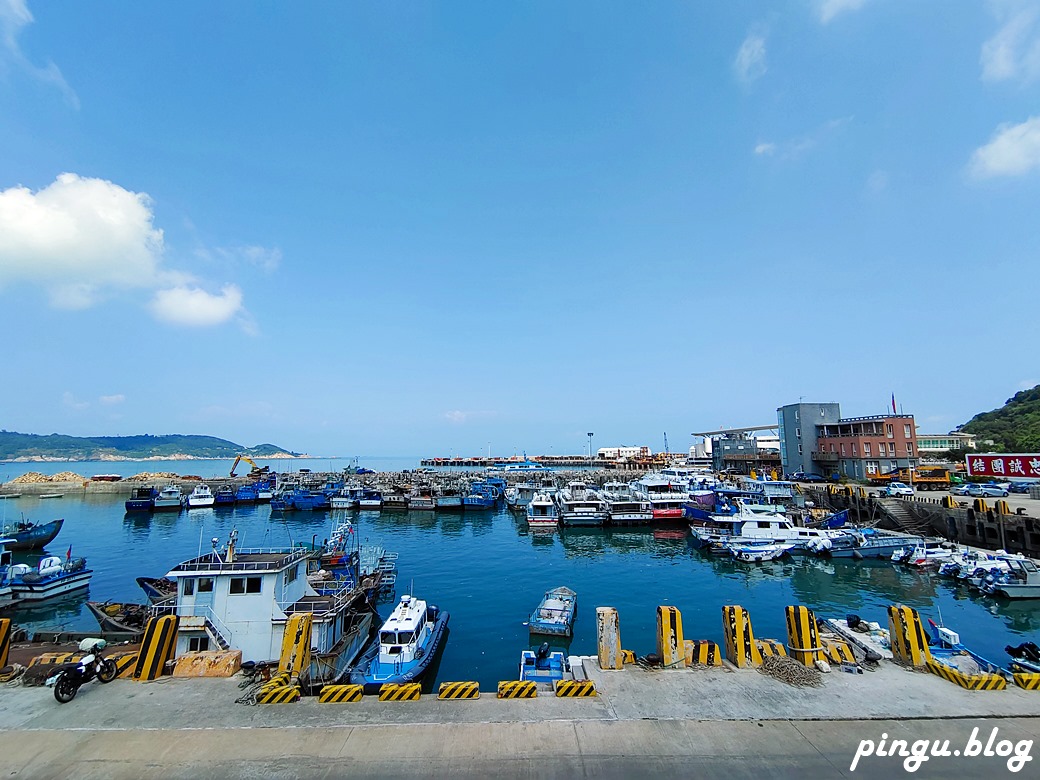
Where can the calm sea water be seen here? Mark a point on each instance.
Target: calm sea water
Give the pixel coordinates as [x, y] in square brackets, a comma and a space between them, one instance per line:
[489, 571]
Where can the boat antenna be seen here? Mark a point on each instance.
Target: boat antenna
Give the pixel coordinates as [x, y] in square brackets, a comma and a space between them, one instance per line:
[939, 610]
[202, 527]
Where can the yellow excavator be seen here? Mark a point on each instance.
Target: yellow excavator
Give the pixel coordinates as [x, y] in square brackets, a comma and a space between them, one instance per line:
[257, 471]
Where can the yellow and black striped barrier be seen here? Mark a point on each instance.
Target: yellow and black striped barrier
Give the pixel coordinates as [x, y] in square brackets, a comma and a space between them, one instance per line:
[670, 648]
[575, 688]
[1001, 507]
[703, 652]
[157, 647]
[628, 657]
[949, 502]
[907, 637]
[283, 694]
[296, 644]
[459, 690]
[5, 640]
[741, 649]
[340, 694]
[400, 691]
[802, 635]
[768, 647]
[1029, 681]
[53, 659]
[980, 505]
[517, 689]
[125, 662]
[973, 682]
[838, 651]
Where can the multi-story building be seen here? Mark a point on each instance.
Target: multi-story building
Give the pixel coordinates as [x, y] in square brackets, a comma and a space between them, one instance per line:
[814, 438]
[797, 426]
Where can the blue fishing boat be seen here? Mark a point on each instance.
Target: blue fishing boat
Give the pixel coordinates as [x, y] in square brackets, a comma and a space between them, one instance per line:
[555, 614]
[157, 589]
[141, 499]
[245, 494]
[52, 577]
[407, 645]
[481, 496]
[946, 649]
[225, 496]
[25, 535]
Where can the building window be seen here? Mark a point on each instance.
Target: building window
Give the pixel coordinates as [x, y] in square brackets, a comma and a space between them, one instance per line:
[198, 644]
[866, 449]
[892, 448]
[854, 453]
[205, 584]
[241, 585]
[799, 449]
[910, 449]
[843, 449]
[189, 586]
[798, 433]
[891, 432]
[906, 430]
[872, 467]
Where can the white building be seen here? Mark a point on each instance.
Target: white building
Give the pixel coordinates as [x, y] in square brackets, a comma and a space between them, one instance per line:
[622, 453]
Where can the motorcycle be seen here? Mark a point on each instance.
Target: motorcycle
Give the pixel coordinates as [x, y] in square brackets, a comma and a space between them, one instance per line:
[93, 664]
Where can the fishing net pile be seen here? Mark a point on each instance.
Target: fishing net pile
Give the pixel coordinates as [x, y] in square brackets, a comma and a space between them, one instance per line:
[788, 670]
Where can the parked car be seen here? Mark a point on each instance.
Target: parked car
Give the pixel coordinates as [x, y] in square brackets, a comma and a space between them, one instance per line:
[1020, 487]
[897, 489]
[960, 490]
[979, 491]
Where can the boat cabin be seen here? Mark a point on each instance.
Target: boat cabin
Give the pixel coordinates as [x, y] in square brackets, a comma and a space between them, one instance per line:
[403, 635]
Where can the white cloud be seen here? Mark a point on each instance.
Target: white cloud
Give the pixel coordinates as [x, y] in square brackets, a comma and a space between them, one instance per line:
[1012, 151]
[14, 16]
[86, 240]
[259, 257]
[112, 400]
[798, 146]
[70, 401]
[455, 416]
[194, 307]
[750, 63]
[828, 9]
[1014, 50]
[78, 238]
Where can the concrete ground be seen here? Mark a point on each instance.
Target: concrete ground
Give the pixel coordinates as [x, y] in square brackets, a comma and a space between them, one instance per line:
[682, 722]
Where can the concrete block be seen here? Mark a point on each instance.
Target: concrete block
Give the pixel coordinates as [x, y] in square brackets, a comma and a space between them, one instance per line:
[209, 663]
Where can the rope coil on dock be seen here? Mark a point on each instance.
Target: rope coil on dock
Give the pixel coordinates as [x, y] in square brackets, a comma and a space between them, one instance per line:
[787, 670]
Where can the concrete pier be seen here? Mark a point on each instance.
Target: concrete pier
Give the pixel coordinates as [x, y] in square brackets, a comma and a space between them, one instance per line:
[688, 722]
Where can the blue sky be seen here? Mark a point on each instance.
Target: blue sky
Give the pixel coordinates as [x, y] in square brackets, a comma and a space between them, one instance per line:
[426, 228]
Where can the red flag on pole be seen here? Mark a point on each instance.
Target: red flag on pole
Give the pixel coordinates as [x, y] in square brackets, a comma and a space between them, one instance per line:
[893, 403]
[68, 555]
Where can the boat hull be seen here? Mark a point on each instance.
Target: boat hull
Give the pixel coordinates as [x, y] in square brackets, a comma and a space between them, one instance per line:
[34, 538]
[49, 587]
[373, 678]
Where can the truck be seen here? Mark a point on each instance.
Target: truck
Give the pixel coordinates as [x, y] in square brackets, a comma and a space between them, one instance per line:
[922, 478]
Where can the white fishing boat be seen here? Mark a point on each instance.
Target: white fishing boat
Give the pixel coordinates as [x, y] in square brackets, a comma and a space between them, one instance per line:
[579, 505]
[1020, 581]
[51, 577]
[169, 498]
[759, 552]
[624, 507]
[541, 511]
[201, 497]
[749, 527]
[666, 496]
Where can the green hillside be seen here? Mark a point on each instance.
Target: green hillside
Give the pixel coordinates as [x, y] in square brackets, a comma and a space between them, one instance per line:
[32, 446]
[1015, 427]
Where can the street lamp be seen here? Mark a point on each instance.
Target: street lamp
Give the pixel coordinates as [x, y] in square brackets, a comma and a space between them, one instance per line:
[590, 449]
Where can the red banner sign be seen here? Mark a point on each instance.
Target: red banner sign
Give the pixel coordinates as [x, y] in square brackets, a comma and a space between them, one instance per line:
[1006, 466]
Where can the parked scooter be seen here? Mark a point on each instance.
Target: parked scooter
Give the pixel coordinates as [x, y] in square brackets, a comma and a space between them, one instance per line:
[72, 676]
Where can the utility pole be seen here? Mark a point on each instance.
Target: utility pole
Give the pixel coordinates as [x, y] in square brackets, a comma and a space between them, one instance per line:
[590, 449]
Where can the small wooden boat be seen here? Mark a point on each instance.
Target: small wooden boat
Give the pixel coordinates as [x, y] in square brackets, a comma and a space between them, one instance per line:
[31, 536]
[157, 589]
[51, 495]
[555, 614]
[114, 616]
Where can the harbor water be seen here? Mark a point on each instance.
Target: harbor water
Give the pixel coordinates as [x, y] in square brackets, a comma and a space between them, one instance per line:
[490, 571]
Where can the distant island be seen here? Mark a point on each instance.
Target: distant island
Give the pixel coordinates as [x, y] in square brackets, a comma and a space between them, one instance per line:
[28, 447]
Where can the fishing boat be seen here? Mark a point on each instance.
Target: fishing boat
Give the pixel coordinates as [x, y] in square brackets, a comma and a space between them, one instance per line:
[422, 499]
[624, 507]
[449, 497]
[264, 491]
[666, 496]
[407, 645]
[141, 499]
[759, 552]
[51, 577]
[543, 665]
[395, 498]
[370, 499]
[1020, 581]
[541, 511]
[579, 505]
[169, 499]
[51, 495]
[481, 495]
[518, 496]
[242, 599]
[157, 589]
[862, 543]
[555, 613]
[120, 618]
[1024, 657]
[926, 553]
[225, 496]
[25, 535]
[946, 649]
[750, 527]
[245, 494]
[201, 497]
